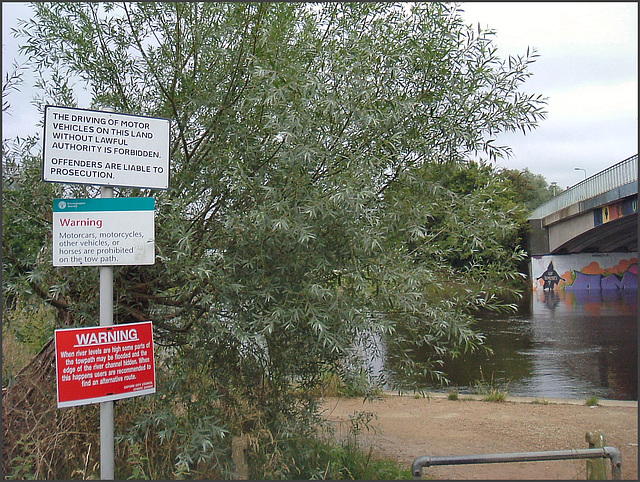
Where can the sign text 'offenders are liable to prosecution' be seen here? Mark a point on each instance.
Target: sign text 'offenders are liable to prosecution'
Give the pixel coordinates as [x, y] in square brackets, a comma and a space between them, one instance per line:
[104, 148]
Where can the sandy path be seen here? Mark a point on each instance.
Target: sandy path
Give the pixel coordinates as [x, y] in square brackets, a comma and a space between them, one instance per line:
[405, 428]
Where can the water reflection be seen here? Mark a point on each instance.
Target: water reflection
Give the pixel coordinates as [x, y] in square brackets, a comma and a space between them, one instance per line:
[565, 344]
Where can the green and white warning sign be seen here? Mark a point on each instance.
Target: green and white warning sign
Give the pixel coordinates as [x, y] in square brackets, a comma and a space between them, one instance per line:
[103, 231]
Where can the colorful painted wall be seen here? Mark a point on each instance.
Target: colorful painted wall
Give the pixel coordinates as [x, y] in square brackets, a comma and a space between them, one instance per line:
[615, 210]
[593, 271]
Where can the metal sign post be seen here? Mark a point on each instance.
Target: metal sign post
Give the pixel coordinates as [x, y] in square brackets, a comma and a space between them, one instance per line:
[107, 440]
[108, 149]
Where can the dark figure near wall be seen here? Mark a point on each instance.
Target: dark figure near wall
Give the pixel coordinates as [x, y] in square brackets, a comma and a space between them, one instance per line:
[551, 278]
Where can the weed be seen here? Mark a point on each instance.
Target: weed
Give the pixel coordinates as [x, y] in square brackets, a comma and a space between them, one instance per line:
[592, 401]
[137, 462]
[495, 396]
[26, 328]
[326, 458]
[23, 465]
[453, 395]
[345, 384]
[489, 390]
[41, 441]
[418, 394]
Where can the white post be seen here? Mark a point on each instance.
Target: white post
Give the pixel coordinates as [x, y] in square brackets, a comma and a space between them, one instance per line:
[107, 455]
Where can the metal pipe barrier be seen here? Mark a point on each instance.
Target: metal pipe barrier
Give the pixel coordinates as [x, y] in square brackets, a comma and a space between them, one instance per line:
[611, 453]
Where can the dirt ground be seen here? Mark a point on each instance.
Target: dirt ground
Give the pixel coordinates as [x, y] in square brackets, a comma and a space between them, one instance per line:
[405, 428]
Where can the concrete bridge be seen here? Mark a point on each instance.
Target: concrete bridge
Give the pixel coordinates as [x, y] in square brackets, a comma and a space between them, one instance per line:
[597, 215]
[591, 229]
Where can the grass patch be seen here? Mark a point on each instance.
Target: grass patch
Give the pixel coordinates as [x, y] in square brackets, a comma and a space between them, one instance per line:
[341, 461]
[495, 396]
[26, 328]
[348, 385]
[489, 390]
[329, 456]
[592, 401]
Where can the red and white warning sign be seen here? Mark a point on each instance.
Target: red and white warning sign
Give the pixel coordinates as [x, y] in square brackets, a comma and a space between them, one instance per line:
[100, 364]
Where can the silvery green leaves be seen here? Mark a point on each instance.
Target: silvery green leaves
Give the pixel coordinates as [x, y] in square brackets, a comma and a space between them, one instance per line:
[306, 204]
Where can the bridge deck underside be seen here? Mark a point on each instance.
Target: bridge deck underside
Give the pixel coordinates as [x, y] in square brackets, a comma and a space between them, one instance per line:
[619, 235]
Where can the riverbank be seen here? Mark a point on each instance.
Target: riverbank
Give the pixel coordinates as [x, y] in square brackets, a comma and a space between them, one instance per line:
[535, 400]
[405, 427]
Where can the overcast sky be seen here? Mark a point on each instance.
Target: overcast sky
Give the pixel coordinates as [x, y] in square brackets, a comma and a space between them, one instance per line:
[588, 68]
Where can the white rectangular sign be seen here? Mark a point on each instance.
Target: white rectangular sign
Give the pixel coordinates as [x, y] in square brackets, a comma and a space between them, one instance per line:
[105, 148]
[103, 231]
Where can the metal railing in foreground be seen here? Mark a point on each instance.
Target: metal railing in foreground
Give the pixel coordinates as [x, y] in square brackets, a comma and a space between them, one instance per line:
[611, 453]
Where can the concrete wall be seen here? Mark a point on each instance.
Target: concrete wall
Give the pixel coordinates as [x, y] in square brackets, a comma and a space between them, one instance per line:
[538, 238]
[585, 271]
[562, 232]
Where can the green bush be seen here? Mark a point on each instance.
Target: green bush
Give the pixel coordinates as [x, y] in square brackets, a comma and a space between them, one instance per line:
[26, 328]
[316, 459]
[592, 401]
[453, 395]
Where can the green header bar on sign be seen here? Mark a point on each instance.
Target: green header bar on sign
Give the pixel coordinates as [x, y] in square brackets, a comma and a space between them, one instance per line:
[104, 204]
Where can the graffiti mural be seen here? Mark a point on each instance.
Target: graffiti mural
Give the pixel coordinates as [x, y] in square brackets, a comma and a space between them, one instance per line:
[595, 271]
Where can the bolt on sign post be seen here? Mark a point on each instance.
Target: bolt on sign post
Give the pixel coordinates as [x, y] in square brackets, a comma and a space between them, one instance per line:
[106, 149]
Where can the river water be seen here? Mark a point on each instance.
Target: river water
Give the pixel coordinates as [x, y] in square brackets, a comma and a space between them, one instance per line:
[563, 344]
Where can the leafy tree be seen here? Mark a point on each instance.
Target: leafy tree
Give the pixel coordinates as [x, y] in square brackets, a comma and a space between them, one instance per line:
[531, 189]
[308, 203]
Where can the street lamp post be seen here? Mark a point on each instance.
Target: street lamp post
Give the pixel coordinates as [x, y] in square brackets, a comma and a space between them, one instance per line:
[581, 169]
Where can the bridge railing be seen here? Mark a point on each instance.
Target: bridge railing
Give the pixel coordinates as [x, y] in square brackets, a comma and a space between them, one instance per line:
[624, 172]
